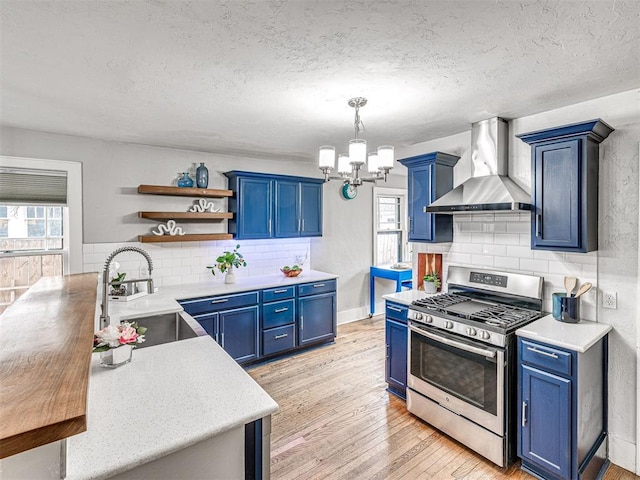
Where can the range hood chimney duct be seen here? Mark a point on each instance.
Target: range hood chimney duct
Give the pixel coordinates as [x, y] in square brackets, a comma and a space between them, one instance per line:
[489, 189]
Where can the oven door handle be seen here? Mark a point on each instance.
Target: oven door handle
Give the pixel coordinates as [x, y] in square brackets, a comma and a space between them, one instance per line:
[453, 343]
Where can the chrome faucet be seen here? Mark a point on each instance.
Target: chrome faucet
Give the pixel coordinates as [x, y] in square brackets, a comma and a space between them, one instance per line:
[104, 318]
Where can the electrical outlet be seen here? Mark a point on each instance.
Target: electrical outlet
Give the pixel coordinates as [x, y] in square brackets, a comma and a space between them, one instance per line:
[609, 300]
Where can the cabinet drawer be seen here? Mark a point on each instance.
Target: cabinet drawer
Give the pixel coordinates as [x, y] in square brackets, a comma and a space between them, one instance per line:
[545, 357]
[323, 286]
[278, 339]
[396, 311]
[221, 302]
[276, 314]
[281, 293]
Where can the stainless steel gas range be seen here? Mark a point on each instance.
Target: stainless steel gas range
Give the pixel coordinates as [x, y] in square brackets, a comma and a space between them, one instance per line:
[462, 357]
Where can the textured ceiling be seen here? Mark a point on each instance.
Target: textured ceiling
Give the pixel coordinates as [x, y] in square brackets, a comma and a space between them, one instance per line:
[272, 78]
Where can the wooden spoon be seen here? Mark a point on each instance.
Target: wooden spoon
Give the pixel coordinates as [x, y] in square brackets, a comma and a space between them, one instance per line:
[570, 284]
[583, 289]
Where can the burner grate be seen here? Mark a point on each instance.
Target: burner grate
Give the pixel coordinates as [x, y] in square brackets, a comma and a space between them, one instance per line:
[505, 315]
[440, 302]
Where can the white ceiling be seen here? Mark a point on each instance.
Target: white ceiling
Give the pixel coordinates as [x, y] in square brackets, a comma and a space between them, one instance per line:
[272, 78]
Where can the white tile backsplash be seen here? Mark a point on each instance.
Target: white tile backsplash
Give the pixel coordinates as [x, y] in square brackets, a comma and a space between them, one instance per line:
[503, 242]
[186, 262]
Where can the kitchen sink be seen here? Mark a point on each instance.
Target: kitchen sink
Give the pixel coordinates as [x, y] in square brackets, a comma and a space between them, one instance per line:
[168, 327]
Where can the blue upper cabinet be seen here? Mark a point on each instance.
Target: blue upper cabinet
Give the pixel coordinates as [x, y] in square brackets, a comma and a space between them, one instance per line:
[429, 177]
[565, 186]
[274, 206]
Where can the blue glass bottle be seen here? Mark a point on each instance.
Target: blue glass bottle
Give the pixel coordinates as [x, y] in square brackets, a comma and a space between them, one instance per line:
[185, 180]
[202, 176]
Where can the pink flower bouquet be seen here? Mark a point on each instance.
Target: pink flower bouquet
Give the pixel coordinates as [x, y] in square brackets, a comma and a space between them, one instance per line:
[114, 336]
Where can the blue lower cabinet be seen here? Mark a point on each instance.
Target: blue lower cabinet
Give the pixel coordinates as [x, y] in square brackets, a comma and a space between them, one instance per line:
[209, 322]
[546, 421]
[396, 340]
[317, 318]
[277, 340]
[396, 335]
[562, 404]
[239, 333]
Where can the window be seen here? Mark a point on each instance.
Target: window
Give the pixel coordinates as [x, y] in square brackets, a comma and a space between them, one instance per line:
[40, 222]
[389, 211]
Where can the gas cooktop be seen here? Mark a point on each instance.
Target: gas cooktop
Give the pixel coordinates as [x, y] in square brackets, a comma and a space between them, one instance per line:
[499, 315]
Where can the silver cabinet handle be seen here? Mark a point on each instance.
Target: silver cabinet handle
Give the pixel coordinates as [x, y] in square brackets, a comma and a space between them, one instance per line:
[222, 339]
[278, 337]
[284, 290]
[535, 350]
[524, 414]
[301, 322]
[302, 229]
[318, 285]
[222, 300]
[395, 309]
[538, 225]
[280, 310]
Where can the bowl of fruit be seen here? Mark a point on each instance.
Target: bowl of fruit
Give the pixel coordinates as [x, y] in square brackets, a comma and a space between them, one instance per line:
[291, 271]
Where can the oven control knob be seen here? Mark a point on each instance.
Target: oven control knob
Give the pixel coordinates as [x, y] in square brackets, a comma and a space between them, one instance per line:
[419, 316]
[448, 325]
[484, 335]
[428, 319]
[471, 332]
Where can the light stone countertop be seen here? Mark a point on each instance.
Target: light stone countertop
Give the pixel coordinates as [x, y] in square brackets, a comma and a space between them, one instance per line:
[578, 337]
[169, 397]
[164, 300]
[407, 296]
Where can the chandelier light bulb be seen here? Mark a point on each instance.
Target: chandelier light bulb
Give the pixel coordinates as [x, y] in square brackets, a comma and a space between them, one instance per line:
[372, 162]
[358, 151]
[385, 156]
[327, 157]
[344, 164]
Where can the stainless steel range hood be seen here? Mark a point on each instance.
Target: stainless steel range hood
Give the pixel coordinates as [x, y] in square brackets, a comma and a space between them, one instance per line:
[489, 189]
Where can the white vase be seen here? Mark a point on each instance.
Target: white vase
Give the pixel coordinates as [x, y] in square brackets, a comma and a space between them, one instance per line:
[230, 277]
[430, 287]
[116, 357]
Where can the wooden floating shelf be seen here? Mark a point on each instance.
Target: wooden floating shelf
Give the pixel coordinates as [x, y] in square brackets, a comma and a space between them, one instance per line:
[184, 238]
[184, 192]
[186, 215]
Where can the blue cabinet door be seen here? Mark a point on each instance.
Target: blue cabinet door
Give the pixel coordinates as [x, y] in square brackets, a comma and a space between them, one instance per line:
[545, 414]
[396, 335]
[239, 330]
[557, 214]
[316, 318]
[209, 322]
[310, 209]
[254, 215]
[420, 195]
[429, 177]
[287, 209]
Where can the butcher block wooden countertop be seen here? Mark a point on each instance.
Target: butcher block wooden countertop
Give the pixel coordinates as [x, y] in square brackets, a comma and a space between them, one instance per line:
[46, 339]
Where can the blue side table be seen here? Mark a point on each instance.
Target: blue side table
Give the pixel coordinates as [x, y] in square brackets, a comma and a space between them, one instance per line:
[400, 275]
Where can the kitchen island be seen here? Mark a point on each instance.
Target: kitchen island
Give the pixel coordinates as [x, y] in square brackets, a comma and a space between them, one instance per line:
[178, 410]
[181, 408]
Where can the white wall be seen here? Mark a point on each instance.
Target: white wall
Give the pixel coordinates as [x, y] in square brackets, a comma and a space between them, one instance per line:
[501, 242]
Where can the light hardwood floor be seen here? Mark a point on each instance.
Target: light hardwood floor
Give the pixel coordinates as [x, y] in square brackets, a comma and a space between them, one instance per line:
[337, 421]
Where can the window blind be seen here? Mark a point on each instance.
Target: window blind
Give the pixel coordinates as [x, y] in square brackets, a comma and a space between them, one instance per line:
[21, 186]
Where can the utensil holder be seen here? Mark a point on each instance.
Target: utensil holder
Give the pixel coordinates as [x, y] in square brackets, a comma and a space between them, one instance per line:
[570, 309]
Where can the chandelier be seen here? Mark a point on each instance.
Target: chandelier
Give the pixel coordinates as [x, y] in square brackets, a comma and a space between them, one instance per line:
[378, 163]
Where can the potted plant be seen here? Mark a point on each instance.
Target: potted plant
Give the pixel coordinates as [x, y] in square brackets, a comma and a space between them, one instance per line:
[226, 262]
[431, 282]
